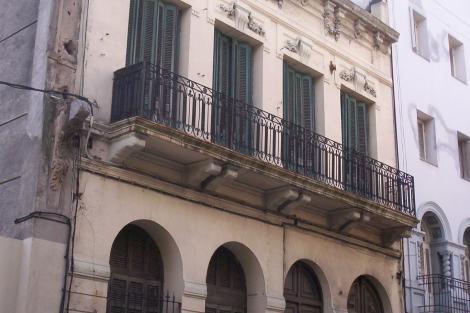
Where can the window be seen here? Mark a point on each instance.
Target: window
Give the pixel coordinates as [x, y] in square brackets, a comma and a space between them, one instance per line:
[419, 34]
[233, 62]
[464, 155]
[354, 123]
[426, 138]
[457, 59]
[153, 33]
[299, 101]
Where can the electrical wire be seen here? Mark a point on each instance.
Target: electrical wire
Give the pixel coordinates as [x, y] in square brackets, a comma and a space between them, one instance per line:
[18, 31]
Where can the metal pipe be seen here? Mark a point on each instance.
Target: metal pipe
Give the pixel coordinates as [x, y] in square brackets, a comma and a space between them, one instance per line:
[49, 217]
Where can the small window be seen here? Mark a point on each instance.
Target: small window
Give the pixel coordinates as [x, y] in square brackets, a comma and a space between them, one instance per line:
[464, 155]
[426, 138]
[419, 34]
[457, 59]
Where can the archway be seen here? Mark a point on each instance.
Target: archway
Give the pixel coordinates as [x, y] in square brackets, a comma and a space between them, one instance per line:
[364, 298]
[136, 273]
[226, 286]
[302, 290]
[431, 260]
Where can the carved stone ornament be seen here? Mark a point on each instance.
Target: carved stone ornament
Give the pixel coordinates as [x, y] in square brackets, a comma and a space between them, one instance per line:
[332, 18]
[254, 26]
[348, 75]
[299, 46]
[242, 17]
[379, 42]
[359, 28]
[369, 89]
[279, 3]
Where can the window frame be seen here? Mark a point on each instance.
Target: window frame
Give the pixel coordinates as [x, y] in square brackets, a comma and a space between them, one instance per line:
[457, 62]
[419, 34]
[429, 138]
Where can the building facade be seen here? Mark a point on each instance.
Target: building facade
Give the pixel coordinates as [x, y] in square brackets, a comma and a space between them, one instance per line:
[432, 96]
[240, 157]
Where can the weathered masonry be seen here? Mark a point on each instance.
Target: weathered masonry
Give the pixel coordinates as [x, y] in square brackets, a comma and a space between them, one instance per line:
[242, 158]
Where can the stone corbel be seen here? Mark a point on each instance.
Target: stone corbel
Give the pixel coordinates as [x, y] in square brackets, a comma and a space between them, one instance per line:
[300, 47]
[345, 220]
[359, 28]
[391, 235]
[229, 9]
[212, 183]
[379, 42]
[332, 16]
[286, 200]
[200, 171]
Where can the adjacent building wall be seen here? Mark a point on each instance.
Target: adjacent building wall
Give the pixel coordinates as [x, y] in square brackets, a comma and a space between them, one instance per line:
[424, 83]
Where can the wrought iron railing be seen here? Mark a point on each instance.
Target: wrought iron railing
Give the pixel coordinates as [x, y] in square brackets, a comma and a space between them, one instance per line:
[140, 301]
[444, 294]
[164, 97]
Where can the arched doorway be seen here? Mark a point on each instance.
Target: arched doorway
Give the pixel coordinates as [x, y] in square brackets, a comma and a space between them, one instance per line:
[136, 273]
[226, 287]
[302, 290]
[466, 242]
[430, 260]
[364, 298]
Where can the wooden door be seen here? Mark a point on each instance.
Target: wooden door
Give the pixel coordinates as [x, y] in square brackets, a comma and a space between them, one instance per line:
[363, 298]
[302, 290]
[136, 273]
[226, 288]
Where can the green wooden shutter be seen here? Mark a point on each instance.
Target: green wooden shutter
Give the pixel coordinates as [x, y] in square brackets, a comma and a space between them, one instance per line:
[362, 127]
[132, 31]
[307, 105]
[289, 94]
[168, 36]
[149, 31]
[244, 73]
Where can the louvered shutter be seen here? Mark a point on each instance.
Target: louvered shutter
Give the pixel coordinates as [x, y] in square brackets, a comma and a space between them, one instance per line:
[117, 296]
[169, 37]
[133, 39]
[149, 31]
[308, 109]
[244, 62]
[362, 126]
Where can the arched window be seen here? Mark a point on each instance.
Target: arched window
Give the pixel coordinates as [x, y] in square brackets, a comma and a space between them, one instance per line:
[302, 290]
[433, 231]
[466, 267]
[364, 298]
[136, 273]
[226, 288]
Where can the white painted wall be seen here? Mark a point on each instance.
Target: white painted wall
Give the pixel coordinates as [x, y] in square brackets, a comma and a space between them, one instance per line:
[426, 84]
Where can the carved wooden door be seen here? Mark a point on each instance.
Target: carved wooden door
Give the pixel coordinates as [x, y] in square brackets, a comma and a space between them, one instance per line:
[302, 290]
[363, 298]
[226, 289]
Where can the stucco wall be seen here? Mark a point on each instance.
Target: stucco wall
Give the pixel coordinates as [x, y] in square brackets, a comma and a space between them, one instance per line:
[105, 52]
[188, 234]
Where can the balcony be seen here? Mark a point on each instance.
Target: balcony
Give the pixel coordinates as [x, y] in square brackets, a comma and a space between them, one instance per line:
[445, 294]
[214, 140]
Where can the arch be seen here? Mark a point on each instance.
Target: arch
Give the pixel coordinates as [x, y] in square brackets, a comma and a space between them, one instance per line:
[321, 277]
[432, 207]
[464, 226]
[170, 255]
[302, 289]
[253, 275]
[366, 286]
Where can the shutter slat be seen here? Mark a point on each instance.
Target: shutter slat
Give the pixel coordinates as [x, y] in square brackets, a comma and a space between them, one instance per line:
[149, 26]
[307, 103]
[244, 73]
[169, 37]
[362, 127]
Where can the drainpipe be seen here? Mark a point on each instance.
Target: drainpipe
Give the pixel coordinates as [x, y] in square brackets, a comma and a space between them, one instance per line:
[51, 216]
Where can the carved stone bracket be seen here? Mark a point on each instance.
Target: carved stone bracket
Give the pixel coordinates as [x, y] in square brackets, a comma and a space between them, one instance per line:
[243, 17]
[351, 75]
[359, 28]
[300, 47]
[332, 16]
[379, 42]
[391, 235]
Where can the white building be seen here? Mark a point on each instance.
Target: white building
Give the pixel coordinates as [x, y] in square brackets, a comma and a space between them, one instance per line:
[431, 72]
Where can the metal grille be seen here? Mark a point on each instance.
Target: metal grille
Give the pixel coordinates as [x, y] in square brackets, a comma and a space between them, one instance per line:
[445, 294]
[164, 97]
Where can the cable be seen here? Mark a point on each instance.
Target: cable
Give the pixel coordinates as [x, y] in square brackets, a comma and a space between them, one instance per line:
[19, 30]
[52, 92]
